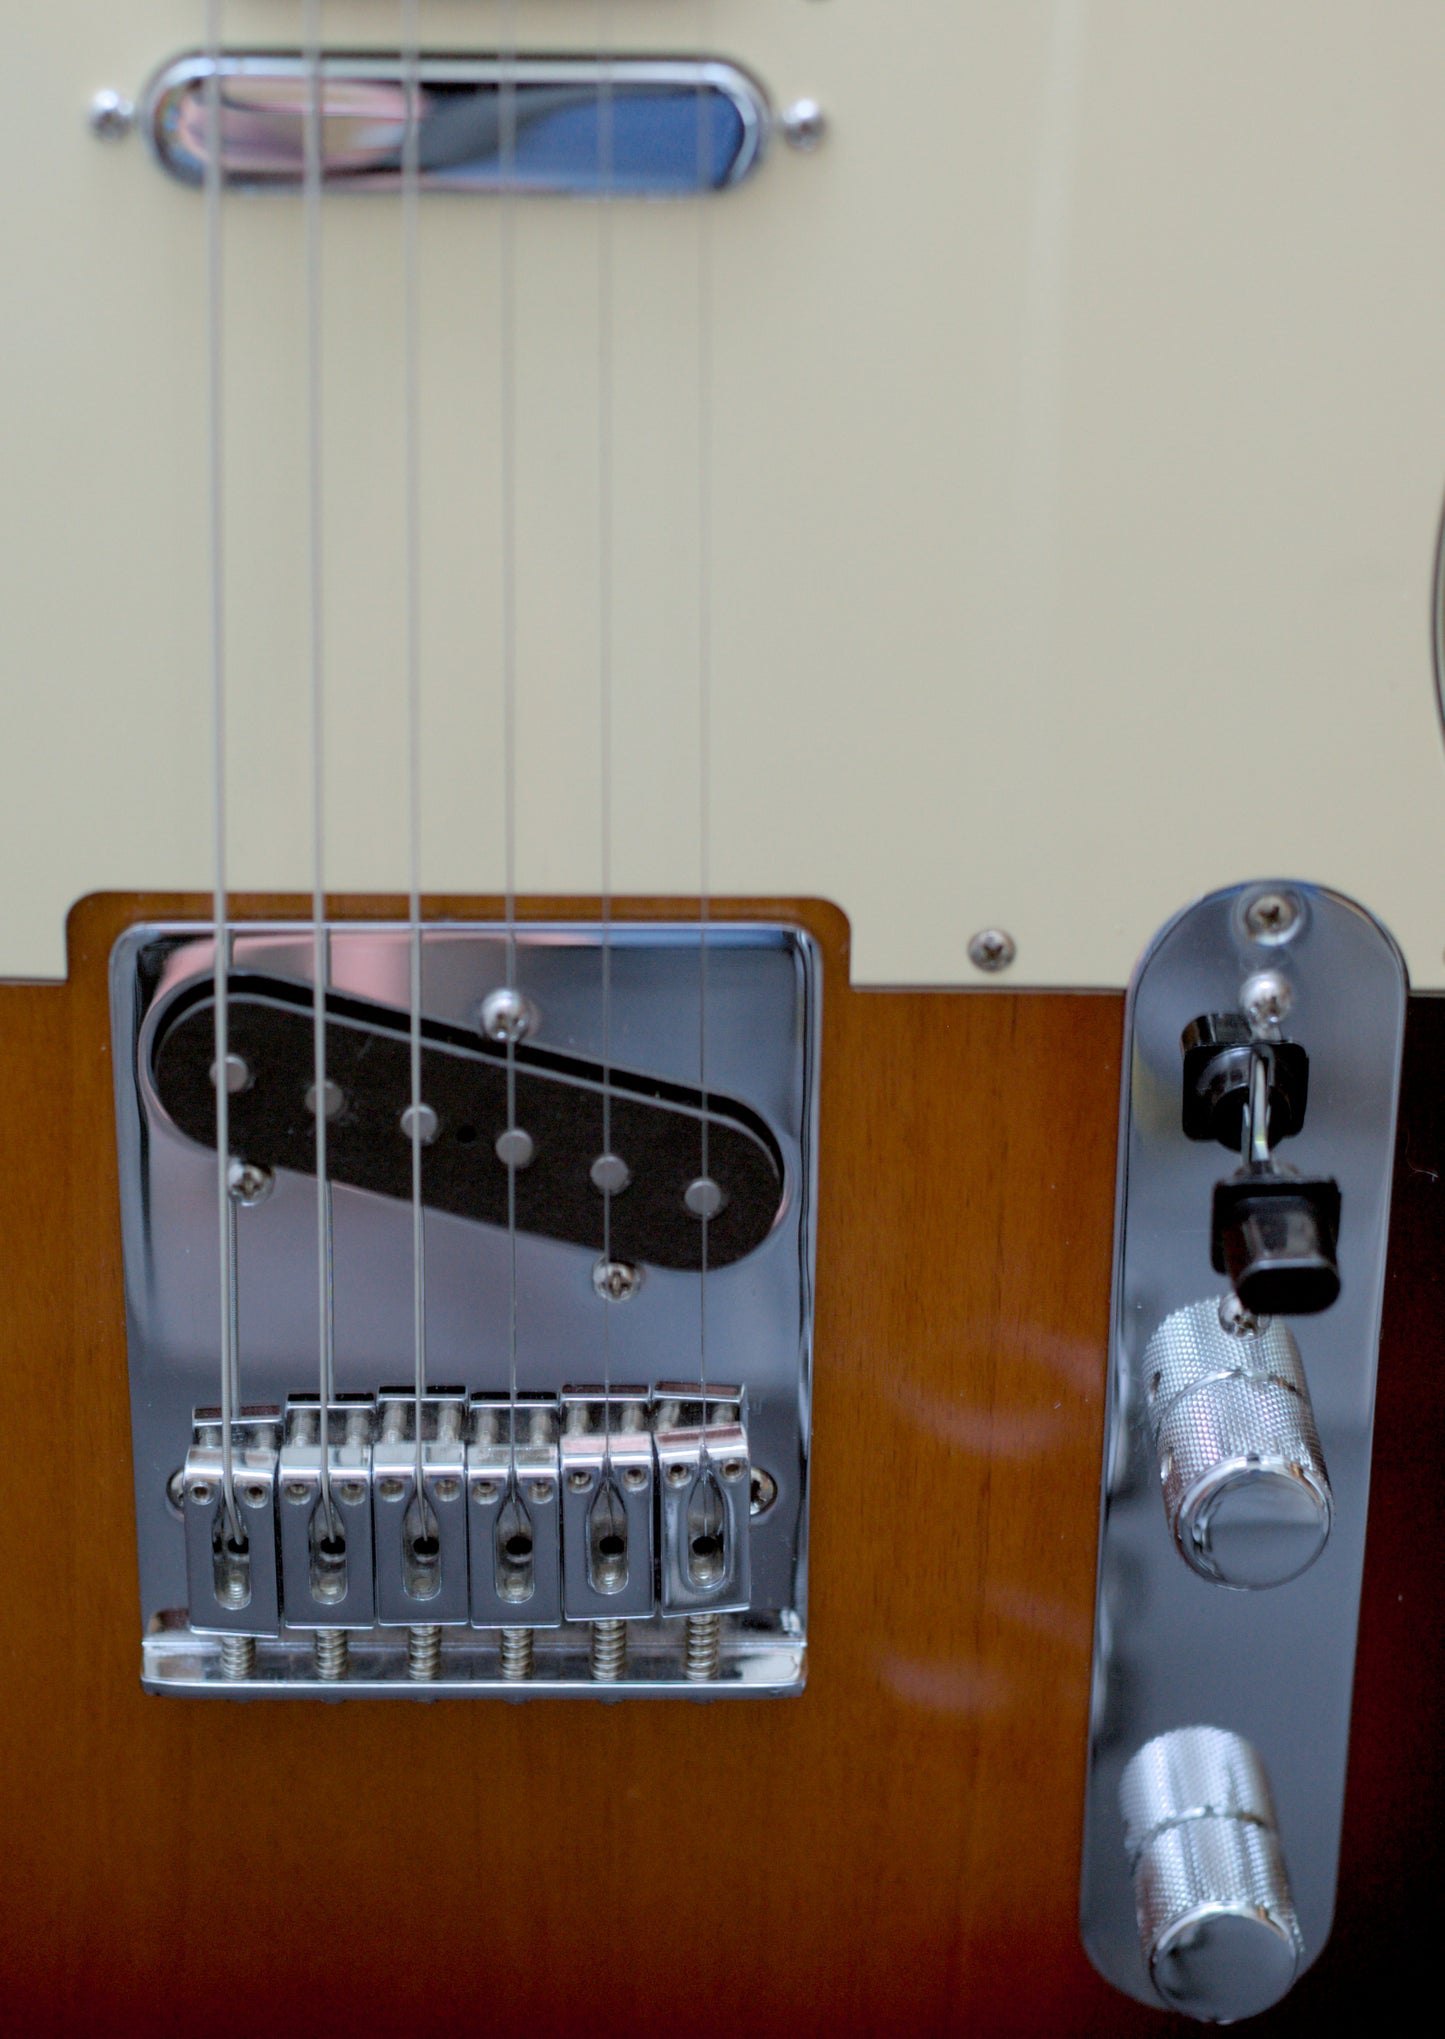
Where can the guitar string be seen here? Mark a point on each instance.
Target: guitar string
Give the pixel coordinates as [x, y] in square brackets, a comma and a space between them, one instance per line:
[606, 149]
[507, 317]
[411, 456]
[215, 404]
[705, 656]
[320, 947]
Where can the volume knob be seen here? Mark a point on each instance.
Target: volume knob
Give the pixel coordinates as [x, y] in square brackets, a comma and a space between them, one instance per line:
[1217, 1924]
[1245, 1489]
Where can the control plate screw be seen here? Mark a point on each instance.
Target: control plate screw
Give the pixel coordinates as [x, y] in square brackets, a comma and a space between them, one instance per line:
[1272, 916]
[1266, 999]
[992, 950]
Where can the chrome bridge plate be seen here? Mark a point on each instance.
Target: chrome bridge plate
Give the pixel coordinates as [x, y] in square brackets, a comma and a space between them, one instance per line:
[593, 1335]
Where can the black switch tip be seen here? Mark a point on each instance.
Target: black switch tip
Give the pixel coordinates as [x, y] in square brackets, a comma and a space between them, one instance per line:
[1276, 1237]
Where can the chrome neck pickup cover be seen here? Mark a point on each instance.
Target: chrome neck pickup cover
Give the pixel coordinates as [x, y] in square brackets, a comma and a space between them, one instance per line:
[581, 1511]
[650, 127]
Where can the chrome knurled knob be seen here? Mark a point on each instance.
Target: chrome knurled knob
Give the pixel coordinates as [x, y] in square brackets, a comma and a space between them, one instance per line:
[1243, 1477]
[1217, 1924]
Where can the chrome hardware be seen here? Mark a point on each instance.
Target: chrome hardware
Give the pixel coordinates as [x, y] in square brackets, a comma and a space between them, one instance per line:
[610, 1633]
[421, 1539]
[705, 1495]
[660, 109]
[326, 1567]
[607, 1496]
[232, 1583]
[111, 115]
[992, 950]
[1217, 1925]
[1209, 1406]
[1245, 1490]
[514, 1516]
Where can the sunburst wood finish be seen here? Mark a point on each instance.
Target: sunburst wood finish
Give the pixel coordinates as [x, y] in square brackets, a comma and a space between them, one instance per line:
[897, 1851]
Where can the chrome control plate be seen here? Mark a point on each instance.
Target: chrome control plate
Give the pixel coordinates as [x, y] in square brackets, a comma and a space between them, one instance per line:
[1174, 1647]
[581, 1324]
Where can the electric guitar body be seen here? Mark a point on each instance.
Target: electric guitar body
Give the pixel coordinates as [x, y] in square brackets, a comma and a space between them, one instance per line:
[720, 1039]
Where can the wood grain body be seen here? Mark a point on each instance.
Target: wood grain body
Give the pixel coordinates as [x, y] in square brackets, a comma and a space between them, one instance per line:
[896, 1851]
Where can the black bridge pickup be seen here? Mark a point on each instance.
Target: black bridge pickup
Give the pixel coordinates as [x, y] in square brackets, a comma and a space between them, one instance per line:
[656, 1127]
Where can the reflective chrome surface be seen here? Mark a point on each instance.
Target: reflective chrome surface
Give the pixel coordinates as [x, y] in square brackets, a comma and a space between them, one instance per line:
[1217, 1926]
[672, 126]
[1246, 1493]
[1172, 1646]
[762, 1043]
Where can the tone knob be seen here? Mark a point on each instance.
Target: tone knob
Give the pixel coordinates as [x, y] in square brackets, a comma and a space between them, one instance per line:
[1245, 1488]
[1217, 1924]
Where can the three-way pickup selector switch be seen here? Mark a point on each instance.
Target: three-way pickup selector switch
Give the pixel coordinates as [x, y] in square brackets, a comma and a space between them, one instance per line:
[1243, 1477]
[1217, 1922]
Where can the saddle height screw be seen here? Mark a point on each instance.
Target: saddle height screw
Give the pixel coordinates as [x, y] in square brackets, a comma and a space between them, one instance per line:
[111, 116]
[703, 1660]
[331, 1653]
[424, 1653]
[517, 1654]
[608, 1651]
[238, 1657]
[992, 950]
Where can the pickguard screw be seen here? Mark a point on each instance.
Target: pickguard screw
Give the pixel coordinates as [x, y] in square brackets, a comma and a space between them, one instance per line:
[635, 1478]
[764, 1492]
[992, 950]
[616, 1281]
[508, 1014]
[249, 1183]
[1272, 916]
[804, 125]
[1266, 999]
[112, 116]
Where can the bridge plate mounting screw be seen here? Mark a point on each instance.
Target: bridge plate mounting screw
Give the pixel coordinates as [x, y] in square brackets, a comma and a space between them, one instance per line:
[616, 1281]
[111, 116]
[992, 950]
[249, 1183]
[507, 1014]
